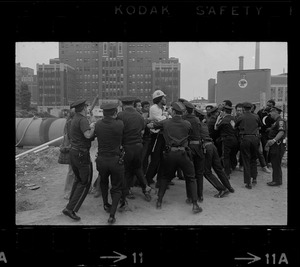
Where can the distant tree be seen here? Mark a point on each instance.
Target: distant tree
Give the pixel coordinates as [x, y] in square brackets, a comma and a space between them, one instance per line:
[25, 97]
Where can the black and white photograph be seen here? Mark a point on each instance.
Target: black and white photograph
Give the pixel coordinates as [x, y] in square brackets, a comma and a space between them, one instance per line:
[151, 133]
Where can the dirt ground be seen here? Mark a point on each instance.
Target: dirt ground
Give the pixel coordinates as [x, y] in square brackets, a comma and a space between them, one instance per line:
[263, 205]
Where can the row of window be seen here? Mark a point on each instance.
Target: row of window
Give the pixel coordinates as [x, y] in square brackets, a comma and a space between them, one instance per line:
[279, 93]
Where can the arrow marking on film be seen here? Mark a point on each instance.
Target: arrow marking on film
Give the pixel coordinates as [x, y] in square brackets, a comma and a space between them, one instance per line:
[119, 257]
[254, 259]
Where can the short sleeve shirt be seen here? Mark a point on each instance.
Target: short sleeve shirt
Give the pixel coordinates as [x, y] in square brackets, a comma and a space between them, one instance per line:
[277, 126]
[79, 125]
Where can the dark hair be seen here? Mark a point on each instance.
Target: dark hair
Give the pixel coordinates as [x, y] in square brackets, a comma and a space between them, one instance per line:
[157, 99]
[228, 103]
[271, 101]
[145, 103]
[109, 112]
[177, 111]
[189, 110]
[227, 111]
[136, 101]
[239, 105]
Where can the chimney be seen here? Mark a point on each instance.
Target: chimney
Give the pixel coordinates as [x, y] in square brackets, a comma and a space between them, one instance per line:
[257, 52]
[241, 63]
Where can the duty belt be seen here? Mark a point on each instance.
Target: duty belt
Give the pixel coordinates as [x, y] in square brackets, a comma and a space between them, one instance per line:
[177, 148]
[194, 142]
[249, 134]
[108, 154]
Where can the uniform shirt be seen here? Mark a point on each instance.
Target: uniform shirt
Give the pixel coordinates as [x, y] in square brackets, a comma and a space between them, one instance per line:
[156, 114]
[133, 126]
[175, 130]
[226, 126]
[109, 132]
[79, 125]
[195, 122]
[214, 134]
[248, 123]
[204, 133]
[277, 126]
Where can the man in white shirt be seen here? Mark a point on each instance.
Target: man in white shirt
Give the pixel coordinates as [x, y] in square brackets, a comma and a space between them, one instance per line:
[156, 113]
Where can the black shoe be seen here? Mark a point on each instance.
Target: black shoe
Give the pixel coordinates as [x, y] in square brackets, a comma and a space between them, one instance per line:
[189, 201]
[111, 220]
[147, 196]
[158, 204]
[123, 205]
[196, 208]
[107, 207]
[130, 195]
[248, 186]
[222, 193]
[151, 182]
[171, 183]
[71, 214]
[273, 184]
[157, 185]
[254, 181]
[200, 199]
[231, 190]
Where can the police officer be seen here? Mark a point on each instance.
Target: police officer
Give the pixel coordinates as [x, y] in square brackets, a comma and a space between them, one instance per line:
[225, 124]
[276, 146]
[248, 125]
[195, 145]
[81, 135]
[109, 133]
[212, 161]
[177, 153]
[133, 147]
[212, 116]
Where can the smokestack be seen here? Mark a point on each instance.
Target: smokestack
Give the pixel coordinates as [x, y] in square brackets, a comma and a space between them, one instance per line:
[241, 63]
[257, 52]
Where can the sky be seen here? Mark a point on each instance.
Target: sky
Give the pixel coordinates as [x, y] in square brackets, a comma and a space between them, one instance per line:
[199, 61]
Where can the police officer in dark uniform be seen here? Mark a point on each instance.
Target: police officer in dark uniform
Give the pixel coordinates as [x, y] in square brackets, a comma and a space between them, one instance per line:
[133, 146]
[213, 161]
[276, 146]
[195, 145]
[248, 125]
[225, 124]
[109, 133]
[81, 136]
[177, 153]
[212, 116]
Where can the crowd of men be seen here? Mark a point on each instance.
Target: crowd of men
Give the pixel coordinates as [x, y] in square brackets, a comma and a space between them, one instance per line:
[147, 145]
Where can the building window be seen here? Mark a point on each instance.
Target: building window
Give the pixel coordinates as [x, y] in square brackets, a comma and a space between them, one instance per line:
[280, 94]
[273, 93]
[104, 48]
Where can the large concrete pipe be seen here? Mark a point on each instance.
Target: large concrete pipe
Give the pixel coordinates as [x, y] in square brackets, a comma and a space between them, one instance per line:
[37, 131]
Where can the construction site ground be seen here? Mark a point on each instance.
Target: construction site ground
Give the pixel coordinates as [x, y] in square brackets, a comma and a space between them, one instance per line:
[40, 199]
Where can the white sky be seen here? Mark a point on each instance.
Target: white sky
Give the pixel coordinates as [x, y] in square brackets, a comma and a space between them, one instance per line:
[200, 61]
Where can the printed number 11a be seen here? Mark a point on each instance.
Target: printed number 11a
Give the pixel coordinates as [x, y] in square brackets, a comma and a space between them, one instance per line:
[135, 257]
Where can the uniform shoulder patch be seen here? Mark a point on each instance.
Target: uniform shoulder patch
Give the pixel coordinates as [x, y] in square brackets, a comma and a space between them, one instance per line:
[281, 123]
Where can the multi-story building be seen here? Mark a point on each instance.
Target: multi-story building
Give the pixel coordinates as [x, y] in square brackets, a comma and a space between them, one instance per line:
[113, 69]
[56, 84]
[166, 77]
[279, 90]
[30, 79]
[26, 75]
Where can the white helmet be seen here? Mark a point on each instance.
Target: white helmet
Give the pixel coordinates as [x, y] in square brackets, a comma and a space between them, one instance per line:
[158, 93]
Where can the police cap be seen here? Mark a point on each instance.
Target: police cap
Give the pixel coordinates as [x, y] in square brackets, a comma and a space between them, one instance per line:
[78, 103]
[199, 111]
[188, 104]
[214, 109]
[127, 99]
[276, 108]
[109, 106]
[178, 106]
[247, 105]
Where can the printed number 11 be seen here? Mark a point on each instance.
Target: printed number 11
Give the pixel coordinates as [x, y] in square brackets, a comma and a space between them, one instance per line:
[134, 257]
